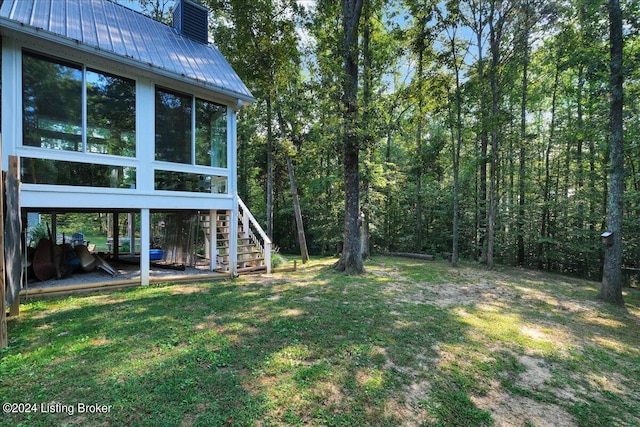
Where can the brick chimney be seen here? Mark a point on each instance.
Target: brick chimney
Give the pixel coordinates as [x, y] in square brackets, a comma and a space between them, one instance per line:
[191, 20]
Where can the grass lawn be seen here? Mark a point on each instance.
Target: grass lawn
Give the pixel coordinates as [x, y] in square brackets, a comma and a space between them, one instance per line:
[408, 343]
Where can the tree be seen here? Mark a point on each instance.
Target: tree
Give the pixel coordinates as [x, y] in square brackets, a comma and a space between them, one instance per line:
[368, 136]
[476, 20]
[527, 20]
[261, 49]
[363, 100]
[292, 131]
[498, 13]
[611, 287]
[419, 46]
[351, 258]
[160, 10]
[454, 58]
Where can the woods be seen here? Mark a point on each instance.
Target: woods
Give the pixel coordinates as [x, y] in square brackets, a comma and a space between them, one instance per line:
[481, 128]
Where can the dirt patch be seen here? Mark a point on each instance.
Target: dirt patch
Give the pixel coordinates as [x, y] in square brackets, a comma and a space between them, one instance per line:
[455, 294]
[187, 289]
[508, 410]
[537, 372]
[491, 292]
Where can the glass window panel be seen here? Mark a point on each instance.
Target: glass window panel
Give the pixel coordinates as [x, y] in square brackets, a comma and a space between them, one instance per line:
[211, 134]
[57, 172]
[111, 114]
[52, 103]
[173, 127]
[191, 182]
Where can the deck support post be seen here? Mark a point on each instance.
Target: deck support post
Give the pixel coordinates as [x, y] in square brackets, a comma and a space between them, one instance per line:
[131, 222]
[145, 242]
[211, 240]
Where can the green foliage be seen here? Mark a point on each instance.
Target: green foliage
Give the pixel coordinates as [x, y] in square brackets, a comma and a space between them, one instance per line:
[552, 166]
[35, 233]
[277, 260]
[452, 407]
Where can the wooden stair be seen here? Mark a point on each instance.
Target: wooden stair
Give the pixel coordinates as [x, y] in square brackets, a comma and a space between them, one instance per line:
[250, 253]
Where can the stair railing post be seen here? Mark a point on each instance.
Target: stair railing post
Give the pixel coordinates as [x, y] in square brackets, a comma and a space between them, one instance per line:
[207, 242]
[245, 224]
[212, 242]
[233, 241]
[267, 256]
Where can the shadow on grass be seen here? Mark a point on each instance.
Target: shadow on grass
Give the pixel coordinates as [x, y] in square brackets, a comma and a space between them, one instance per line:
[314, 348]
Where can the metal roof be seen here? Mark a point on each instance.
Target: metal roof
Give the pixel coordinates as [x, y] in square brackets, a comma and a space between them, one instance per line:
[112, 28]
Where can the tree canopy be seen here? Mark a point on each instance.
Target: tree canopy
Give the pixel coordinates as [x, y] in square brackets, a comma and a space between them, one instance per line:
[482, 127]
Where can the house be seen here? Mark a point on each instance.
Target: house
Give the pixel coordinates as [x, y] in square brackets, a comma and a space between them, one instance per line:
[110, 111]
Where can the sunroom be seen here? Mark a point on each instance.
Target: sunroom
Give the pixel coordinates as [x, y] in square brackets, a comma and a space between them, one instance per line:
[108, 111]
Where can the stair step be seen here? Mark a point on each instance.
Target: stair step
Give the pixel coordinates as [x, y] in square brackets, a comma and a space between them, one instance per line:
[251, 269]
[249, 255]
[241, 268]
[252, 252]
[246, 269]
[239, 245]
[245, 253]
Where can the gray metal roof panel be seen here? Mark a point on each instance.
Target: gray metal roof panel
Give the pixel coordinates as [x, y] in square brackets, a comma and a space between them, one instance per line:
[113, 28]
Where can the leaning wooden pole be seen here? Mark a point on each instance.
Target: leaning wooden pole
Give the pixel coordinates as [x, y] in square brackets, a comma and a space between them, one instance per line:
[302, 240]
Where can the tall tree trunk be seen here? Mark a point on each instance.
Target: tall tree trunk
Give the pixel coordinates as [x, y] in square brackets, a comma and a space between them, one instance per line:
[583, 265]
[491, 211]
[418, 214]
[495, 35]
[592, 185]
[367, 136]
[611, 287]
[579, 147]
[523, 139]
[388, 195]
[482, 187]
[481, 183]
[457, 145]
[546, 196]
[351, 258]
[269, 168]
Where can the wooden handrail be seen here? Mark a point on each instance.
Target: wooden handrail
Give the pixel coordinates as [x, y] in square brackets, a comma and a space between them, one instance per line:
[254, 222]
[244, 212]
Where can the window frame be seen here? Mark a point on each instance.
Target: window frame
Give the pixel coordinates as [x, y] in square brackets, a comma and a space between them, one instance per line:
[83, 68]
[146, 82]
[193, 130]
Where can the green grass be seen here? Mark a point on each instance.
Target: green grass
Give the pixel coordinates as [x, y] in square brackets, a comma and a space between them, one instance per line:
[408, 343]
